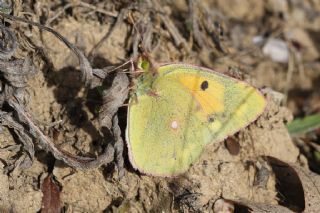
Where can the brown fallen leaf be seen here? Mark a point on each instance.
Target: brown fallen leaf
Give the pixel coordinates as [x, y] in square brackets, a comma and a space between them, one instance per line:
[264, 208]
[51, 196]
[302, 184]
[311, 187]
[298, 190]
[232, 146]
[113, 98]
[289, 185]
[244, 206]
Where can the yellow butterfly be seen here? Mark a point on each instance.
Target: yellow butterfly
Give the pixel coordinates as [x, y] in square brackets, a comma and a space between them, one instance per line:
[178, 109]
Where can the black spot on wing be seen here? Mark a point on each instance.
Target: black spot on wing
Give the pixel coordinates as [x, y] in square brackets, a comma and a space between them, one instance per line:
[211, 119]
[204, 85]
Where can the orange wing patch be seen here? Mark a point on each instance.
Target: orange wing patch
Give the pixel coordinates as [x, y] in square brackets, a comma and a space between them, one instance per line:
[208, 93]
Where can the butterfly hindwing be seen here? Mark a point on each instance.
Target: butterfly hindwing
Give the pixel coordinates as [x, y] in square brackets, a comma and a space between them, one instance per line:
[160, 131]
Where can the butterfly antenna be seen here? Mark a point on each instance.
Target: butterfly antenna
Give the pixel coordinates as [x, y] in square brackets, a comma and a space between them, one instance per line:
[144, 53]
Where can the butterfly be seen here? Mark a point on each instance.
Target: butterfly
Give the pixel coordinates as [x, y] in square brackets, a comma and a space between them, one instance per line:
[176, 110]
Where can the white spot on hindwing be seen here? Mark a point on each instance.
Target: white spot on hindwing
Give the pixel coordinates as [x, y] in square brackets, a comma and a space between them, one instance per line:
[174, 124]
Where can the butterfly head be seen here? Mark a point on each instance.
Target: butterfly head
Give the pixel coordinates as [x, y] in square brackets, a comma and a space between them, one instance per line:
[147, 73]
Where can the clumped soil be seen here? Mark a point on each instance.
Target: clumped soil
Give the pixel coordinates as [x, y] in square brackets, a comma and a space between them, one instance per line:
[244, 170]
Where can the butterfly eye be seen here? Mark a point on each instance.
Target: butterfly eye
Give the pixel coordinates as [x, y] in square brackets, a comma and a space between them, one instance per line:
[204, 85]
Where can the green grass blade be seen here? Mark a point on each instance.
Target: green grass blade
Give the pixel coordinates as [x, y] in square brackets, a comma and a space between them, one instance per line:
[306, 124]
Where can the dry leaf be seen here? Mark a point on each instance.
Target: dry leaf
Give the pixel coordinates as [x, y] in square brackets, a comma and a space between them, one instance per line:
[289, 186]
[113, 98]
[311, 187]
[264, 208]
[51, 196]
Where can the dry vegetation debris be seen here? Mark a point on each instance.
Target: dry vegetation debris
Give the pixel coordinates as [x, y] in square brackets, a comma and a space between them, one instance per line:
[56, 151]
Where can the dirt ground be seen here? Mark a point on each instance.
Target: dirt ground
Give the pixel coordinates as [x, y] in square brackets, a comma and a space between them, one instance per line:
[261, 168]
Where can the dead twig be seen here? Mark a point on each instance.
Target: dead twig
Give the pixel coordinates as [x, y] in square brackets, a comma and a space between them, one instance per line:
[113, 98]
[45, 143]
[81, 4]
[118, 22]
[179, 40]
[85, 66]
[8, 44]
[118, 147]
[195, 26]
[7, 120]
[99, 10]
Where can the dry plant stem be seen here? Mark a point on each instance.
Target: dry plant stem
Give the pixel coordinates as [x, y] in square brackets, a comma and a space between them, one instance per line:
[195, 26]
[81, 4]
[289, 76]
[142, 39]
[215, 37]
[118, 147]
[177, 37]
[85, 66]
[57, 14]
[7, 120]
[9, 37]
[142, 33]
[113, 98]
[46, 143]
[96, 9]
[118, 22]
[17, 71]
[147, 37]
